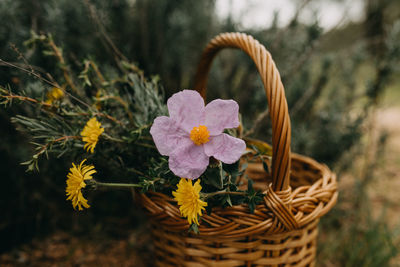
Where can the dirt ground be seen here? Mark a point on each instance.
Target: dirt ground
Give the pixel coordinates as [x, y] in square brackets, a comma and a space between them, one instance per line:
[65, 250]
[385, 188]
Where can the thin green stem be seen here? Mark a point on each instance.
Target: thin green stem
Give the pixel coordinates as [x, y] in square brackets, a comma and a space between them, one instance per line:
[113, 138]
[208, 195]
[117, 185]
[146, 145]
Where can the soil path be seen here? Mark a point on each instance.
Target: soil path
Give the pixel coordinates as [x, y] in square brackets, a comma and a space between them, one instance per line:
[385, 189]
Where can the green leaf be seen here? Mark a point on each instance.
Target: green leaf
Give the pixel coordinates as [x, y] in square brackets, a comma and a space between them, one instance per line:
[266, 168]
[254, 198]
[252, 206]
[231, 168]
[214, 177]
[259, 146]
[250, 186]
[228, 200]
[193, 228]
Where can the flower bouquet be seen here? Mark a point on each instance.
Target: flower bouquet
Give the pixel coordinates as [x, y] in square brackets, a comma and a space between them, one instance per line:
[213, 197]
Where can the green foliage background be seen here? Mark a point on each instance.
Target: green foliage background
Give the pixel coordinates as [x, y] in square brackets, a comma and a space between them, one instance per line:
[333, 81]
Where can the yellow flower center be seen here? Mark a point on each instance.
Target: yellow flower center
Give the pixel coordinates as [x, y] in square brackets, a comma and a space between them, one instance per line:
[200, 135]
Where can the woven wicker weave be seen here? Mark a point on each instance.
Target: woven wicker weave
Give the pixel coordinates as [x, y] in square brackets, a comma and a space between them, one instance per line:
[283, 230]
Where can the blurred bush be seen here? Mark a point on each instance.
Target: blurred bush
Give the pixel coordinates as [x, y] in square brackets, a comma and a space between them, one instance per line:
[333, 82]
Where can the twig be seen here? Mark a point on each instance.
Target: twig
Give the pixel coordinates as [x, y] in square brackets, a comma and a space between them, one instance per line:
[21, 56]
[310, 49]
[260, 118]
[95, 17]
[44, 147]
[63, 64]
[311, 93]
[25, 98]
[122, 102]
[136, 171]
[89, 63]
[294, 18]
[9, 64]
[31, 67]
[106, 116]
[98, 73]
[59, 87]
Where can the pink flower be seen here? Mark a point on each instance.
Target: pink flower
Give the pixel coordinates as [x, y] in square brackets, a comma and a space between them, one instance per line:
[193, 133]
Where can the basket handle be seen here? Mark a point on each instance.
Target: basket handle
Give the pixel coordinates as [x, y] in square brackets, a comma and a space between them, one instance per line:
[274, 89]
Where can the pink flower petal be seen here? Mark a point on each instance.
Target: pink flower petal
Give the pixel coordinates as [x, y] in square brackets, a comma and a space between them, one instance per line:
[188, 160]
[220, 115]
[186, 108]
[225, 148]
[166, 134]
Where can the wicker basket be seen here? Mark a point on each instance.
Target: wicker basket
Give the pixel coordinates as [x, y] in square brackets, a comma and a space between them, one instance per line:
[283, 230]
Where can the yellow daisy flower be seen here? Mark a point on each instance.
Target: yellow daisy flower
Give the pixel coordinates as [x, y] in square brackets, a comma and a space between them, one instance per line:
[188, 197]
[90, 134]
[54, 94]
[76, 181]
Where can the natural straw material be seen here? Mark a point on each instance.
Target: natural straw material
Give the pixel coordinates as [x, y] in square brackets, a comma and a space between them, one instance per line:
[282, 231]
